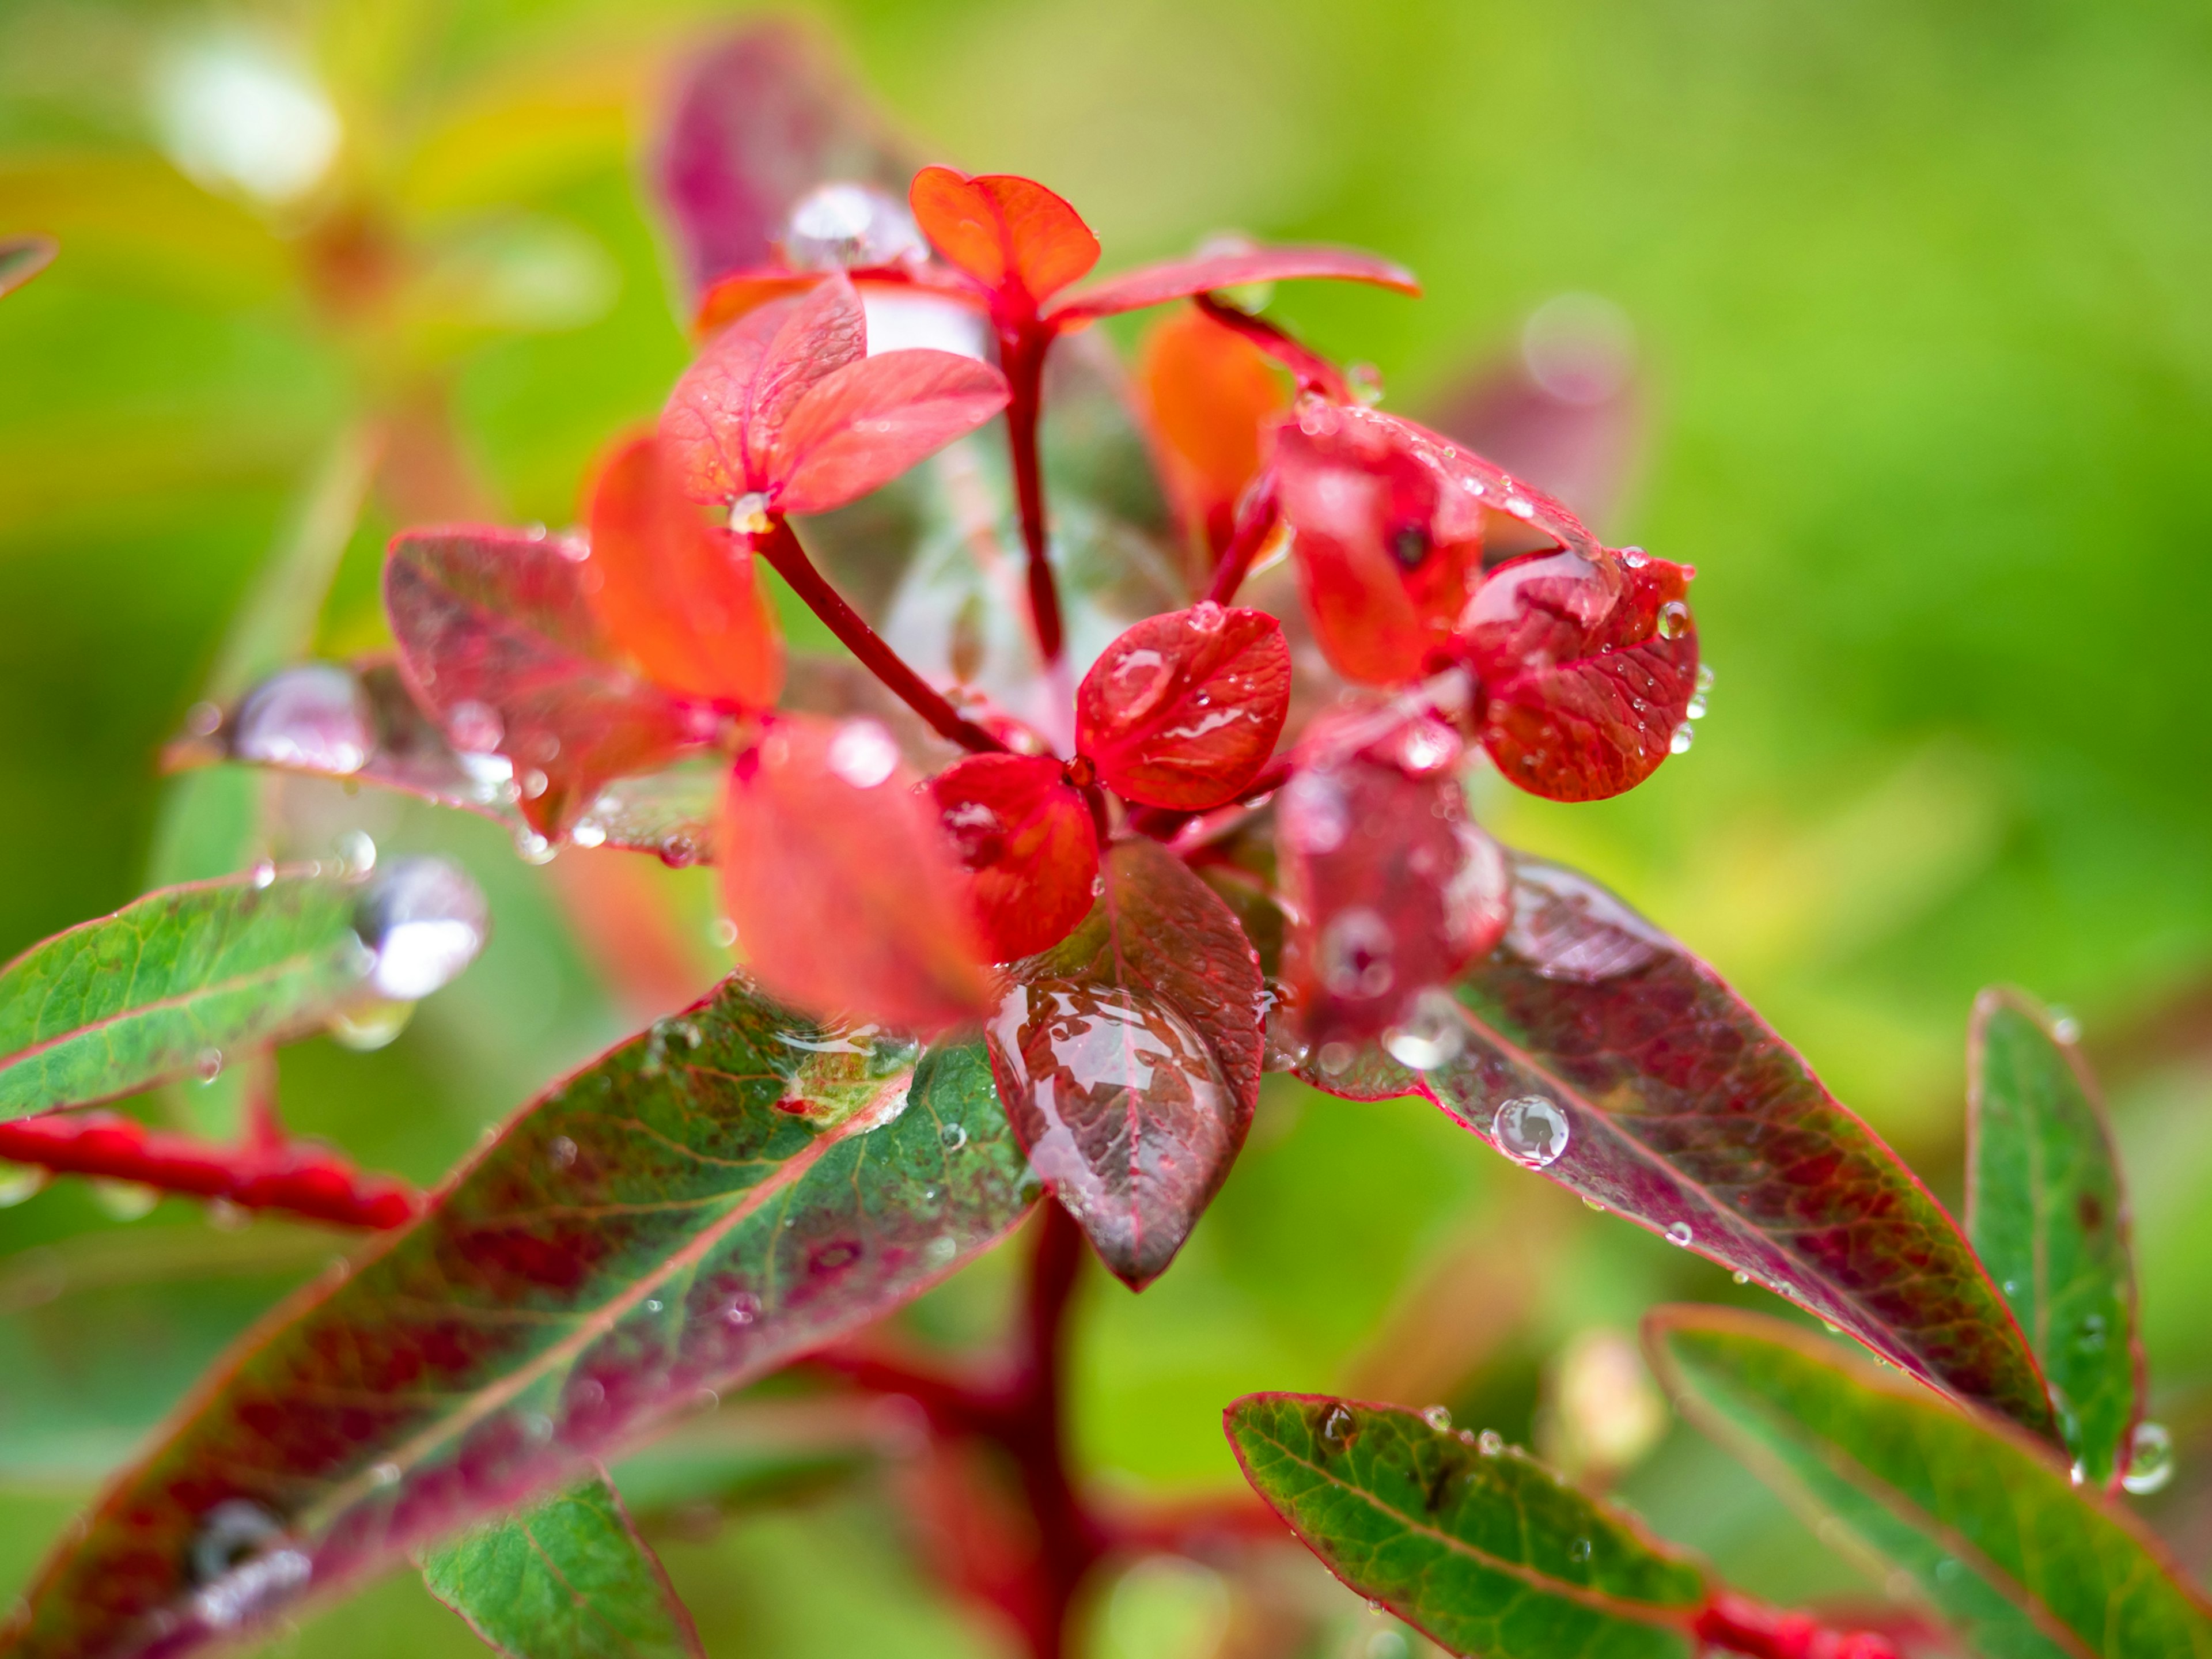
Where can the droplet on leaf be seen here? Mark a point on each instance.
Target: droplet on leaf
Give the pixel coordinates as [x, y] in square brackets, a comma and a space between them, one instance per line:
[314, 717]
[424, 920]
[1438, 1417]
[2150, 1459]
[1429, 1034]
[1530, 1130]
[843, 226]
[1679, 1233]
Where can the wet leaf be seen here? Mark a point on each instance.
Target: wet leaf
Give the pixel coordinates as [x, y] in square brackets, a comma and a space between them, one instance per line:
[1128, 1058]
[1028, 844]
[1208, 392]
[498, 641]
[1477, 1544]
[683, 600]
[1593, 1047]
[861, 426]
[22, 258]
[2048, 1217]
[1179, 279]
[1183, 709]
[169, 985]
[1013, 236]
[568, 1578]
[730, 1189]
[2022, 1563]
[845, 890]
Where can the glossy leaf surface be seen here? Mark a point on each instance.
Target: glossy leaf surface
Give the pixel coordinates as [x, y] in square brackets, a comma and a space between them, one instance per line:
[498, 641]
[845, 888]
[1184, 708]
[1659, 1095]
[1486, 1549]
[22, 258]
[1179, 279]
[1208, 393]
[1128, 1058]
[568, 1578]
[861, 426]
[1015, 238]
[730, 1189]
[169, 985]
[2020, 1562]
[1028, 844]
[2047, 1215]
[683, 599]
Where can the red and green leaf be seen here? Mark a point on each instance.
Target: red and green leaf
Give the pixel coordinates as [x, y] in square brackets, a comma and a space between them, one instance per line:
[1183, 709]
[1128, 1058]
[2022, 1562]
[22, 258]
[1180, 279]
[1020, 242]
[1028, 843]
[1680, 1109]
[860, 426]
[499, 642]
[2049, 1217]
[732, 1189]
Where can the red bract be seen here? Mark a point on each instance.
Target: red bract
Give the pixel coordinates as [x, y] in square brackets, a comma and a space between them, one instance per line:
[499, 641]
[786, 405]
[845, 892]
[1183, 709]
[1391, 890]
[1208, 392]
[1029, 845]
[683, 599]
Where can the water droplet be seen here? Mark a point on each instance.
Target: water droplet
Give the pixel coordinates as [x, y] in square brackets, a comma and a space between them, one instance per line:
[1490, 1443]
[1314, 814]
[1680, 1234]
[356, 854]
[532, 782]
[207, 1065]
[724, 933]
[234, 1530]
[314, 717]
[1589, 1203]
[1336, 1058]
[2066, 1029]
[2150, 1459]
[1355, 950]
[2077, 1472]
[1282, 1045]
[862, 753]
[264, 872]
[1438, 1417]
[532, 847]
[2090, 1337]
[1430, 1033]
[653, 1305]
[561, 1151]
[1741, 1276]
[1530, 1130]
[474, 728]
[424, 920]
[20, 1181]
[1339, 1427]
[204, 718]
[1579, 1550]
[940, 1250]
[126, 1201]
[1674, 620]
[368, 1024]
[953, 1137]
[849, 226]
[1685, 735]
[744, 1309]
[1373, 1604]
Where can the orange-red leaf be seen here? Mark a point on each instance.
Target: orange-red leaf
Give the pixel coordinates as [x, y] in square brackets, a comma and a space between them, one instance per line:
[1012, 234]
[682, 600]
[1184, 708]
[846, 893]
[743, 292]
[1029, 845]
[1179, 279]
[1208, 392]
[862, 425]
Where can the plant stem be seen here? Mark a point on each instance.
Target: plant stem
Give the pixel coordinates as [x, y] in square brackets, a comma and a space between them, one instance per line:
[1313, 372]
[1068, 1540]
[1254, 523]
[780, 548]
[1022, 347]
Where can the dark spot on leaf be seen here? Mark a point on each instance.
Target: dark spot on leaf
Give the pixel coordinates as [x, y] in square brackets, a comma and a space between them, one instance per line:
[2090, 1209]
[1439, 1483]
[1410, 544]
[838, 1253]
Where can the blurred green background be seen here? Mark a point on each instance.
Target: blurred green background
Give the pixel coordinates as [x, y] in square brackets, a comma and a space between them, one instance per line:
[1923, 340]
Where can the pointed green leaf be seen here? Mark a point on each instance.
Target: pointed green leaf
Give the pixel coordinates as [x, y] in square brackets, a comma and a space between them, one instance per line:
[2022, 1563]
[567, 1579]
[1477, 1544]
[172, 983]
[708, 1201]
[2045, 1210]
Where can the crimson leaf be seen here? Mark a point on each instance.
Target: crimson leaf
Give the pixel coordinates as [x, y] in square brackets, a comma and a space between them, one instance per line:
[1017, 239]
[1184, 708]
[1028, 843]
[1179, 279]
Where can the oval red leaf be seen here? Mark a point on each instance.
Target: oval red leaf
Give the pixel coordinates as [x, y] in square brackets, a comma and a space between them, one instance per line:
[682, 600]
[845, 892]
[1012, 234]
[1028, 843]
[1179, 279]
[1184, 708]
[862, 425]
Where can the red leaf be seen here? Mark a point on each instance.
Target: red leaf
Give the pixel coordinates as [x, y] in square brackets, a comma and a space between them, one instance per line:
[742, 292]
[1128, 1059]
[722, 421]
[498, 642]
[864, 424]
[682, 600]
[1184, 708]
[1028, 842]
[1208, 392]
[846, 894]
[1179, 279]
[1393, 888]
[1392, 526]
[1589, 665]
[1012, 234]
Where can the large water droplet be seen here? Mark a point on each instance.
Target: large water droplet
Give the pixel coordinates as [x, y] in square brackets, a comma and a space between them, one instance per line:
[370, 1022]
[1431, 1032]
[1339, 1427]
[1490, 1443]
[1438, 1417]
[2150, 1459]
[1568, 927]
[849, 226]
[1674, 620]
[314, 717]
[1530, 1130]
[1679, 1233]
[862, 753]
[19, 1182]
[1355, 952]
[424, 920]
[1283, 1046]
[1685, 735]
[237, 1560]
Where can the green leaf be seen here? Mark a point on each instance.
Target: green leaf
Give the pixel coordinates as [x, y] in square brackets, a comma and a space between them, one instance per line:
[1476, 1543]
[723, 1193]
[568, 1579]
[2045, 1211]
[174, 982]
[2022, 1563]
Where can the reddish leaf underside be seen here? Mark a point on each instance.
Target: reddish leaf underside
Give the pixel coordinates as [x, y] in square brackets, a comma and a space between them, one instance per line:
[1179, 279]
[683, 600]
[860, 426]
[716, 1196]
[1128, 1059]
[498, 641]
[845, 890]
[1208, 392]
[1015, 238]
[1028, 843]
[1681, 1110]
[1183, 709]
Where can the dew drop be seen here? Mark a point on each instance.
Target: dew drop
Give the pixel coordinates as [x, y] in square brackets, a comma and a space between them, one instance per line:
[1431, 1033]
[264, 872]
[315, 718]
[126, 1201]
[357, 851]
[1438, 1417]
[1530, 1130]
[474, 728]
[1339, 1428]
[953, 1137]
[207, 1065]
[849, 226]
[1282, 1045]
[233, 1531]
[1680, 1234]
[1315, 815]
[370, 1022]
[1579, 1550]
[204, 718]
[588, 832]
[2066, 1029]
[724, 933]
[1741, 1276]
[2090, 1338]
[1589, 1203]
[1674, 620]
[384, 1474]
[1373, 1604]
[2150, 1459]
[1336, 1058]
[20, 1181]
[1354, 953]
[1685, 735]
[532, 847]
[653, 1305]
[862, 753]
[532, 782]
[1490, 1443]
[561, 1152]
[424, 920]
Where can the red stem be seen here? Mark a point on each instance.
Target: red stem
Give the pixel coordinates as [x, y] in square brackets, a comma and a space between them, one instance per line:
[1739, 1625]
[1255, 522]
[780, 548]
[295, 1176]
[1313, 372]
[1023, 342]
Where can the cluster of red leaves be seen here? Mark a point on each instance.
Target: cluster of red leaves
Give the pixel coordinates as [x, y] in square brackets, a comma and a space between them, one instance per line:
[1462, 610]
